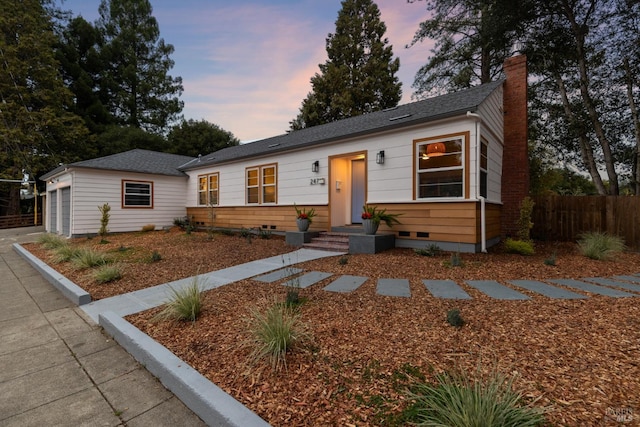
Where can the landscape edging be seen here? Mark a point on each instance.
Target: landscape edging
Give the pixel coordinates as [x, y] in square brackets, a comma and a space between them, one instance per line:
[70, 290]
[212, 404]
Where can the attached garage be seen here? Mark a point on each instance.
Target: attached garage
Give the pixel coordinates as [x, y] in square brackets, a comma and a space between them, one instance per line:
[53, 211]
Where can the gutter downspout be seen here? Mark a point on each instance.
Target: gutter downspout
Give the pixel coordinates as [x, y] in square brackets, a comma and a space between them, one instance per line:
[483, 215]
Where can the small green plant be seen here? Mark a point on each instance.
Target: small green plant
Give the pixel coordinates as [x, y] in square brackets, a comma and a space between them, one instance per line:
[522, 247]
[431, 250]
[455, 260]
[104, 221]
[460, 401]
[155, 257]
[454, 318]
[305, 214]
[275, 332]
[244, 232]
[108, 273]
[343, 260]
[51, 241]
[64, 253]
[600, 246]
[88, 258]
[264, 233]
[379, 215]
[185, 304]
[148, 227]
[524, 220]
[181, 222]
[226, 232]
[551, 260]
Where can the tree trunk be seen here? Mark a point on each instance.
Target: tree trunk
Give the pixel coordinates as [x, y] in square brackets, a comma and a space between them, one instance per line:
[579, 34]
[586, 151]
[636, 124]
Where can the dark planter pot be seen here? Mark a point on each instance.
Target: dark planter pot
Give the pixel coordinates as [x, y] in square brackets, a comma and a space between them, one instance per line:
[303, 224]
[370, 226]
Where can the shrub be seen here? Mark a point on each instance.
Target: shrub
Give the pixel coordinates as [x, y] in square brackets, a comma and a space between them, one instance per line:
[522, 247]
[245, 232]
[155, 257]
[600, 246]
[343, 260]
[148, 227]
[274, 333]
[185, 304]
[108, 273]
[104, 220]
[524, 220]
[551, 260]
[264, 233]
[51, 241]
[431, 250]
[65, 253]
[454, 318]
[87, 258]
[456, 400]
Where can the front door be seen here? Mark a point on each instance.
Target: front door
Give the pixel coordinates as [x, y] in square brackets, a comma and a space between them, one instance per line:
[357, 190]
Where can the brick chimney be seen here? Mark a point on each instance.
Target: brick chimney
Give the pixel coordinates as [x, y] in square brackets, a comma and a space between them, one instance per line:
[515, 162]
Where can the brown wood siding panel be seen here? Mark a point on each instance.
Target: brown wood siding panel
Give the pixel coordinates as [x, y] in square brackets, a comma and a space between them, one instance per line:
[283, 218]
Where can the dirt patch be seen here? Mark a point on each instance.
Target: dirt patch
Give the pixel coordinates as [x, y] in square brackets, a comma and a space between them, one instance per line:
[578, 357]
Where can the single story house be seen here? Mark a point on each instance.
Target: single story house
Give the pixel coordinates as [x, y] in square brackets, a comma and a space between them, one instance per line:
[454, 166]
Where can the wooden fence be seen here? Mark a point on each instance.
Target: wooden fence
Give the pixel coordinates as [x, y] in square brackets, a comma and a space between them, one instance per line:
[564, 218]
[14, 221]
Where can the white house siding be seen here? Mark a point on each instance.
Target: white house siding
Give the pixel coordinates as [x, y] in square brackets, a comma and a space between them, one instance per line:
[391, 182]
[92, 188]
[493, 131]
[54, 202]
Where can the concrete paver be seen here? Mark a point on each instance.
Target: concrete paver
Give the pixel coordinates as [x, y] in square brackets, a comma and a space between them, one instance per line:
[447, 289]
[634, 279]
[307, 279]
[615, 283]
[546, 290]
[393, 287]
[345, 283]
[590, 287]
[274, 276]
[496, 290]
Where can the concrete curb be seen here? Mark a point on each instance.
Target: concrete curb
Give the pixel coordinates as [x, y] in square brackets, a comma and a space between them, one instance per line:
[73, 292]
[205, 399]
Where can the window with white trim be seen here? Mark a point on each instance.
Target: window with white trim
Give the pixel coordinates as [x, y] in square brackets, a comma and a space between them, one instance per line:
[208, 189]
[262, 184]
[484, 149]
[137, 194]
[439, 168]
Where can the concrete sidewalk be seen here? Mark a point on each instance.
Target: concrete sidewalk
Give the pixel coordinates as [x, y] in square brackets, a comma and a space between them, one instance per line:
[58, 368]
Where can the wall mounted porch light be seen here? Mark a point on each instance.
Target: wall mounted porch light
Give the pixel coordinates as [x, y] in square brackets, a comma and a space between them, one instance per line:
[380, 157]
[315, 166]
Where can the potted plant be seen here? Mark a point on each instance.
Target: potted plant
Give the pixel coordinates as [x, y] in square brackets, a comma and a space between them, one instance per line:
[372, 216]
[304, 217]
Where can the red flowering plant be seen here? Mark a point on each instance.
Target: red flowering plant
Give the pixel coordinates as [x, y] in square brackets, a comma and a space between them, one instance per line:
[378, 215]
[305, 214]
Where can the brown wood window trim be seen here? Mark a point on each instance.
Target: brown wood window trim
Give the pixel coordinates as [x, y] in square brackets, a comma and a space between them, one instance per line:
[261, 184]
[133, 194]
[206, 192]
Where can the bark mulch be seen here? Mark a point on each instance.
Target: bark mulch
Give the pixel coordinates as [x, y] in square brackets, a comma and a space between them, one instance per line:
[579, 358]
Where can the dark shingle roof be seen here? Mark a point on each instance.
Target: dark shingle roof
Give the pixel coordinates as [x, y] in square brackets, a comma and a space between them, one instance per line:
[137, 160]
[439, 107]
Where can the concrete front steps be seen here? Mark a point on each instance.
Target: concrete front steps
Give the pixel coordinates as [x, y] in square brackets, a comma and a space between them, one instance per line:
[329, 241]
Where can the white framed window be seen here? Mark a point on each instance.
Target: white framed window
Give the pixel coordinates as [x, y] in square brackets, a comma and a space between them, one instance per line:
[208, 189]
[137, 194]
[440, 171]
[484, 161]
[262, 184]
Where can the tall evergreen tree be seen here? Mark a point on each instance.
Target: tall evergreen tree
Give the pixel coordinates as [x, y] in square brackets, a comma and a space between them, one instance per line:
[192, 138]
[472, 40]
[36, 128]
[82, 66]
[136, 78]
[359, 75]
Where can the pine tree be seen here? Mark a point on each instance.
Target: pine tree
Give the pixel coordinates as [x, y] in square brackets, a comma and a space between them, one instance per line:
[36, 129]
[136, 78]
[359, 75]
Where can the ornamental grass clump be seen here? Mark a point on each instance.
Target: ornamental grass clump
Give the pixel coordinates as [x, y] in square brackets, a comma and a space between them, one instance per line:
[65, 253]
[108, 273]
[275, 332]
[51, 241]
[88, 258]
[600, 246]
[184, 304]
[460, 401]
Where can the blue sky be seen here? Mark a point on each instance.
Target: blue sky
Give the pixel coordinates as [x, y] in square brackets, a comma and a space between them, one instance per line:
[246, 65]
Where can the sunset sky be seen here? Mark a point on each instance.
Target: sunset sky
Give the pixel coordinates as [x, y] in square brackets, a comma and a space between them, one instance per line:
[246, 65]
